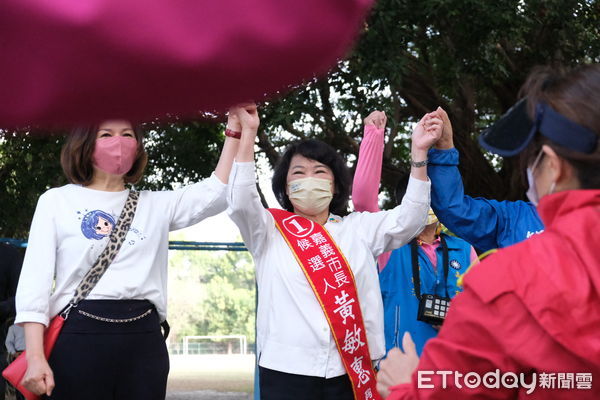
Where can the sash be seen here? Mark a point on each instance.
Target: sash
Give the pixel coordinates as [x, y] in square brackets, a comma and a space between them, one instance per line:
[332, 281]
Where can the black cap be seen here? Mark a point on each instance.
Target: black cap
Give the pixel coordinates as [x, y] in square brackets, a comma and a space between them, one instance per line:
[514, 130]
[511, 133]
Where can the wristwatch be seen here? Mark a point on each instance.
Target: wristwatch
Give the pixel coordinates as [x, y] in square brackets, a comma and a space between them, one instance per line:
[418, 164]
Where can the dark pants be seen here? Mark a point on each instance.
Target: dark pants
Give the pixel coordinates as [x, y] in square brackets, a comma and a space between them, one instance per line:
[275, 385]
[3, 364]
[97, 360]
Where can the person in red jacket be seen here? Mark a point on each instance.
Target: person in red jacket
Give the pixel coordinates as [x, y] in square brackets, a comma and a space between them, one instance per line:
[528, 322]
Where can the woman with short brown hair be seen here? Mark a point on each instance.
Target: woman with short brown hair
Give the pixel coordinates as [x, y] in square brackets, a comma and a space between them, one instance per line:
[77, 153]
[111, 346]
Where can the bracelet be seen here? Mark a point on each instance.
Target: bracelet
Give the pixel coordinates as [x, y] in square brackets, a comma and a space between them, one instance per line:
[418, 164]
[233, 134]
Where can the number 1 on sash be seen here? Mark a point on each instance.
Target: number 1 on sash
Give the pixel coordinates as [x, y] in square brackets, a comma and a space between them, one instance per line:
[298, 226]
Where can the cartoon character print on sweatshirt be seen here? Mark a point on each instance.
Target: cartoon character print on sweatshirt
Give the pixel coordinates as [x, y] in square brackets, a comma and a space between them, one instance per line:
[97, 224]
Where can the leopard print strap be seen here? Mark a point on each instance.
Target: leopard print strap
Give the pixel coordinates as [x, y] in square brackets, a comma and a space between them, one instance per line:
[115, 240]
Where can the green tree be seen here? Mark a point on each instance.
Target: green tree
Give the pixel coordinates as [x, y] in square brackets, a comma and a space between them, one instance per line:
[29, 165]
[468, 56]
[211, 293]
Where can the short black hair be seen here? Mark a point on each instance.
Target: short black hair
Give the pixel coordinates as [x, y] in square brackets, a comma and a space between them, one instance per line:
[323, 153]
[401, 187]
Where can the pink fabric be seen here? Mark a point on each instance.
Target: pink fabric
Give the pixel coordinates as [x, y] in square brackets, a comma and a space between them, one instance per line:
[430, 251]
[365, 187]
[68, 61]
[115, 154]
[474, 256]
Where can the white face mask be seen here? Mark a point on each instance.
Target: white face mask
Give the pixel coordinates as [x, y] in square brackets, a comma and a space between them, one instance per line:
[310, 195]
[532, 193]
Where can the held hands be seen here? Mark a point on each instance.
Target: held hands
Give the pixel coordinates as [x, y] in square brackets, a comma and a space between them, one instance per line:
[446, 141]
[398, 367]
[247, 114]
[233, 121]
[39, 378]
[376, 118]
[427, 132]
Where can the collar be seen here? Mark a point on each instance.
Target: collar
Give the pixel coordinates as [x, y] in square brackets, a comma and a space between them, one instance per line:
[436, 241]
[556, 205]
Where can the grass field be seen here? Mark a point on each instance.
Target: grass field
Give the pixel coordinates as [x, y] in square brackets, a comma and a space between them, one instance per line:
[221, 373]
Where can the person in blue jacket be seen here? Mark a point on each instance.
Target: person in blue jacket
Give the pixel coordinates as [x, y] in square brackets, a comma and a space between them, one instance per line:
[486, 224]
[440, 260]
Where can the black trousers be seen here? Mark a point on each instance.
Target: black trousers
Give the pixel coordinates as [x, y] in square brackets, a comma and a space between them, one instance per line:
[3, 364]
[275, 385]
[97, 360]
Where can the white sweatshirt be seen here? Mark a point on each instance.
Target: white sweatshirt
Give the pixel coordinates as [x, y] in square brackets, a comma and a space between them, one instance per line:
[70, 229]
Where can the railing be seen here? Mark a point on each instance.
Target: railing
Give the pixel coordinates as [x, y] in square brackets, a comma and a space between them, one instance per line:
[173, 245]
[220, 344]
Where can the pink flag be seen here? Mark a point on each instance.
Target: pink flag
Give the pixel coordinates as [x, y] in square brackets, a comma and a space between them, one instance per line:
[68, 61]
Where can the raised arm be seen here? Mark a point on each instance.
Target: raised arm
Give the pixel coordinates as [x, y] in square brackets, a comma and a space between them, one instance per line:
[389, 230]
[479, 221]
[245, 208]
[230, 148]
[365, 186]
[193, 203]
[427, 132]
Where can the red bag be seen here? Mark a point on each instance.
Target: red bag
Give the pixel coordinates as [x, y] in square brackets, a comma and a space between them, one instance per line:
[15, 372]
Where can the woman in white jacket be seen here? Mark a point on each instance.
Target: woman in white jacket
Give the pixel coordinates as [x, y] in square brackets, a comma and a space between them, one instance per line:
[299, 356]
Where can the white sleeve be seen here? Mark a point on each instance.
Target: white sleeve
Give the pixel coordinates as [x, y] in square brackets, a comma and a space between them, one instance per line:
[37, 275]
[371, 304]
[389, 230]
[255, 223]
[191, 204]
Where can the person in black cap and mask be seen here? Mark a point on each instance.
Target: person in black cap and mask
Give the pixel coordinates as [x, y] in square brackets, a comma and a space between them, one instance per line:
[486, 224]
[527, 320]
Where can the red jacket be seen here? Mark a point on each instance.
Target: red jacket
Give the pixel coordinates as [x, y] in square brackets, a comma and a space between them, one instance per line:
[530, 308]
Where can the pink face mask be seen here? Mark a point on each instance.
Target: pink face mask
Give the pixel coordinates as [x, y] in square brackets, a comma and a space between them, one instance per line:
[115, 155]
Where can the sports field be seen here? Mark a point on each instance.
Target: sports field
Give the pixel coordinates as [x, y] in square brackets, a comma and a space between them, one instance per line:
[207, 377]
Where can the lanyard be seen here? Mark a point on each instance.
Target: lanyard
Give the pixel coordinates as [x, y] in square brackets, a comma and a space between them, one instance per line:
[415, 265]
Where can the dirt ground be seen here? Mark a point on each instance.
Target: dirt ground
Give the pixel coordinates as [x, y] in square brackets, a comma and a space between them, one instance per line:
[208, 395]
[218, 377]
